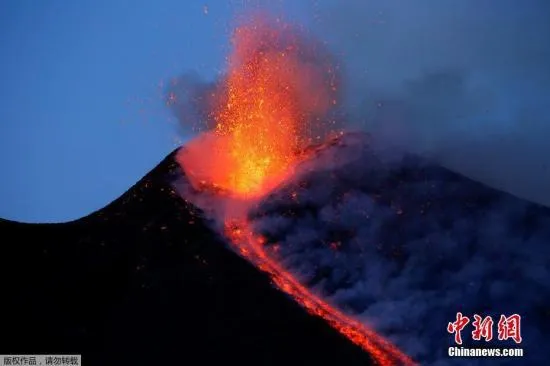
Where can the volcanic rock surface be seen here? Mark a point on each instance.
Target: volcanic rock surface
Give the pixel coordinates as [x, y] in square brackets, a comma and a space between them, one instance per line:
[143, 281]
[389, 238]
[403, 245]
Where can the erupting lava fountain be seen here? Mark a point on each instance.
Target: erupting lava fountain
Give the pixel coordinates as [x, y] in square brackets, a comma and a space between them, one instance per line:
[272, 104]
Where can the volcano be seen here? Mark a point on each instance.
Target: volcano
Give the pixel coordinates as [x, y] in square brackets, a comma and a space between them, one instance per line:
[148, 280]
[143, 281]
[387, 246]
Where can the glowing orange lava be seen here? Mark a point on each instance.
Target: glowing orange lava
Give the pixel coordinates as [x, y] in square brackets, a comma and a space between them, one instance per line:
[264, 113]
[250, 246]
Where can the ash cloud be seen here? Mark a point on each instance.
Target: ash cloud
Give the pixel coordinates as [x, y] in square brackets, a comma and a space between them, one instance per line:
[403, 245]
[190, 99]
[464, 82]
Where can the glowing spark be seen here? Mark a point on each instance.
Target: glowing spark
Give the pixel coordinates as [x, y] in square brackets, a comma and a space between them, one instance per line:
[263, 115]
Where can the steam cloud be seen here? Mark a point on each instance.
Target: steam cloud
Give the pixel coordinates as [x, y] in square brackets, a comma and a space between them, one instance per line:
[404, 245]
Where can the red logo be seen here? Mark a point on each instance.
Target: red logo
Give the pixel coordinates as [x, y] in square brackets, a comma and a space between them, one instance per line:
[508, 327]
[483, 328]
[457, 326]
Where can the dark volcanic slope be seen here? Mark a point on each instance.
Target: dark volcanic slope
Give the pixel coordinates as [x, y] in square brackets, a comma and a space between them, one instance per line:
[405, 244]
[143, 282]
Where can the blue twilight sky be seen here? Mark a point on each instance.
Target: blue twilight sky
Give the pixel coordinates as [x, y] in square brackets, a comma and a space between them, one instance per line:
[81, 109]
[82, 116]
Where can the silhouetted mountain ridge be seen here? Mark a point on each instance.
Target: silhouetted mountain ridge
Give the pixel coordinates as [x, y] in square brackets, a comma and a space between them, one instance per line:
[144, 282]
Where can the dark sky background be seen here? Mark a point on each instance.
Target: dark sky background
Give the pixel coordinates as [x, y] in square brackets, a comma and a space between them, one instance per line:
[82, 104]
[465, 81]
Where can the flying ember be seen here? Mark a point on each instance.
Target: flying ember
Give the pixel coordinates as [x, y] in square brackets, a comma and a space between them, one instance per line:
[272, 104]
[265, 111]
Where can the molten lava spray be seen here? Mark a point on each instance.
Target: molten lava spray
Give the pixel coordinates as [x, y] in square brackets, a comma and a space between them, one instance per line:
[265, 111]
[271, 106]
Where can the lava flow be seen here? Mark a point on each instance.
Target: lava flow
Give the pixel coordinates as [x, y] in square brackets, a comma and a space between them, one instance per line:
[265, 112]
